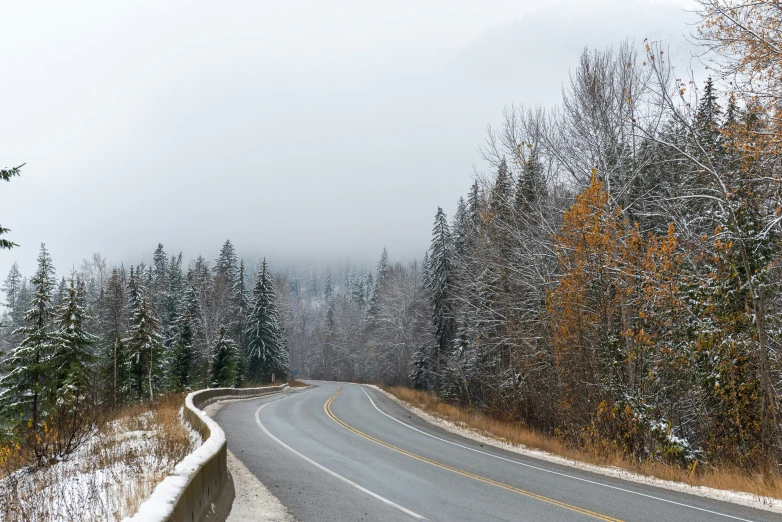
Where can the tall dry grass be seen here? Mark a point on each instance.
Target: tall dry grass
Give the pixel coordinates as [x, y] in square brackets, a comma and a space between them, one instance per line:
[109, 476]
[718, 477]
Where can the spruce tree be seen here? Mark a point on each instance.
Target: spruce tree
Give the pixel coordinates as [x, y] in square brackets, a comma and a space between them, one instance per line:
[328, 289]
[143, 345]
[181, 358]
[73, 358]
[266, 351]
[11, 286]
[382, 273]
[531, 184]
[241, 310]
[28, 386]
[441, 286]
[224, 358]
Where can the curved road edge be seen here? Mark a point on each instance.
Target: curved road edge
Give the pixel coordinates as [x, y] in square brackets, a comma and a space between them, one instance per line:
[734, 497]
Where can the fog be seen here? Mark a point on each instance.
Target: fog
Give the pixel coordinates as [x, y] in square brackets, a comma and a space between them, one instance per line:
[302, 131]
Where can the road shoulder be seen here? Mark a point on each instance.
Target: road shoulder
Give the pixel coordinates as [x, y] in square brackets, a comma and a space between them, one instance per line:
[253, 501]
[733, 497]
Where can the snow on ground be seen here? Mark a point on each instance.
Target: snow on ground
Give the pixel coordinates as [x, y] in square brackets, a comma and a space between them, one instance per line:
[104, 480]
[253, 501]
[736, 497]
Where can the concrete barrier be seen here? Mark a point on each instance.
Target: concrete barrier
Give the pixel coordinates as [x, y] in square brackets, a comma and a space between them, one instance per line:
[199, 488]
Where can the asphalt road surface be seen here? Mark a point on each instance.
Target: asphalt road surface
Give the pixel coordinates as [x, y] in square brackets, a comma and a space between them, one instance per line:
[346, 452]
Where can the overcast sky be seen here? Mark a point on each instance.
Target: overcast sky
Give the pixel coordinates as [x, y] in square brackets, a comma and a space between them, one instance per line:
[301, 130]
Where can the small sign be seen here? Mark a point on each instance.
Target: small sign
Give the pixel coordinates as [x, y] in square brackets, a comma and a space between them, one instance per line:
[294, 373]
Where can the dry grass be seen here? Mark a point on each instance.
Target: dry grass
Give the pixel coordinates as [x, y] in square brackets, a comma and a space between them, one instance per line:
[297, 384]
[516, 434]
[108, 477]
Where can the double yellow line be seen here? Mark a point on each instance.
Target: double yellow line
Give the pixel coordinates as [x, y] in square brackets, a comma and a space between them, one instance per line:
[327, 408]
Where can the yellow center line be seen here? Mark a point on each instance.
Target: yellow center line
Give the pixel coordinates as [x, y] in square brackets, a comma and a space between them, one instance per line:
[327, 409]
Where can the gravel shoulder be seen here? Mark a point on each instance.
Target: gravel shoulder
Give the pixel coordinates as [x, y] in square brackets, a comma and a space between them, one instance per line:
[253, 501]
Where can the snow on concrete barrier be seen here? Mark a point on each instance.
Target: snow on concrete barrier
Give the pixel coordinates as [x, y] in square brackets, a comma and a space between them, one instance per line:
[199, 488]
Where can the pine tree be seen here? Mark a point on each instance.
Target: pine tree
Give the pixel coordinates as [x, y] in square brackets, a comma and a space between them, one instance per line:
[242, 307]
[531, 184]
[159, 286]
[441, 287]
[73, 358]
[501, 194]
[11, 286]
[226, 263]
[143, 345]
[328, 289]
[28, 387]
[460, 228]
[224, 358]
[266, 351]
[382, 273]
[181, 359]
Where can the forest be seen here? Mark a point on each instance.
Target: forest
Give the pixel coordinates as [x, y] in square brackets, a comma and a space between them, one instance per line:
[611, 279]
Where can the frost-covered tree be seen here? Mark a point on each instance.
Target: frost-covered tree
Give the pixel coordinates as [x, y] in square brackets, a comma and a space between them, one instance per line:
[181, 351]
[266, 351]
[442, 290]
[224, 360]
[28, 384]
[143, 345]
[73, 357]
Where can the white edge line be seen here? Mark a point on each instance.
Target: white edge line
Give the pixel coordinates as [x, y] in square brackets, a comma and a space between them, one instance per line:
[324, 468]
[551, 471]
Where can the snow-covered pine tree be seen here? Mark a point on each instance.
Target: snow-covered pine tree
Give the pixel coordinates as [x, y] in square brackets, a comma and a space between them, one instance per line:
[241, 310]
[328, 289]
[382, 273]
[158, 290]
[267, 353]
[181, 351]
[73, 357]
[143, 345]
[441, 287]
[224, 358]
[11, 287]
[531, 184]
[28, 386]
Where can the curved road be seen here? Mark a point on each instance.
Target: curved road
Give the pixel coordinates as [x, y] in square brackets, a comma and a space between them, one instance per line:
[346, 452]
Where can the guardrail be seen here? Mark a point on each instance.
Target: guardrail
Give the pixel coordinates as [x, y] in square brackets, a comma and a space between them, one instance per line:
[199, 488]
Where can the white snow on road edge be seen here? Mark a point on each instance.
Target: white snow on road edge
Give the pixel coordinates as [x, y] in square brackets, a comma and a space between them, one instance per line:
[160, 504]
[253, 499]
[734, 497]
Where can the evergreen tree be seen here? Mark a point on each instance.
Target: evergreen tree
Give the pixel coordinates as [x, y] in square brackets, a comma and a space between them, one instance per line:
[73, 358]
[242, 308]
[441, 287]
[143, 345]
[328, 289]
[224, 357]
[159, 285]
[11, 287]
[531, 184]
[266, 351]
[28, 387]
[181, 373]
[501, 194]
[382, 273]
[460, 228]
[226, 263]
